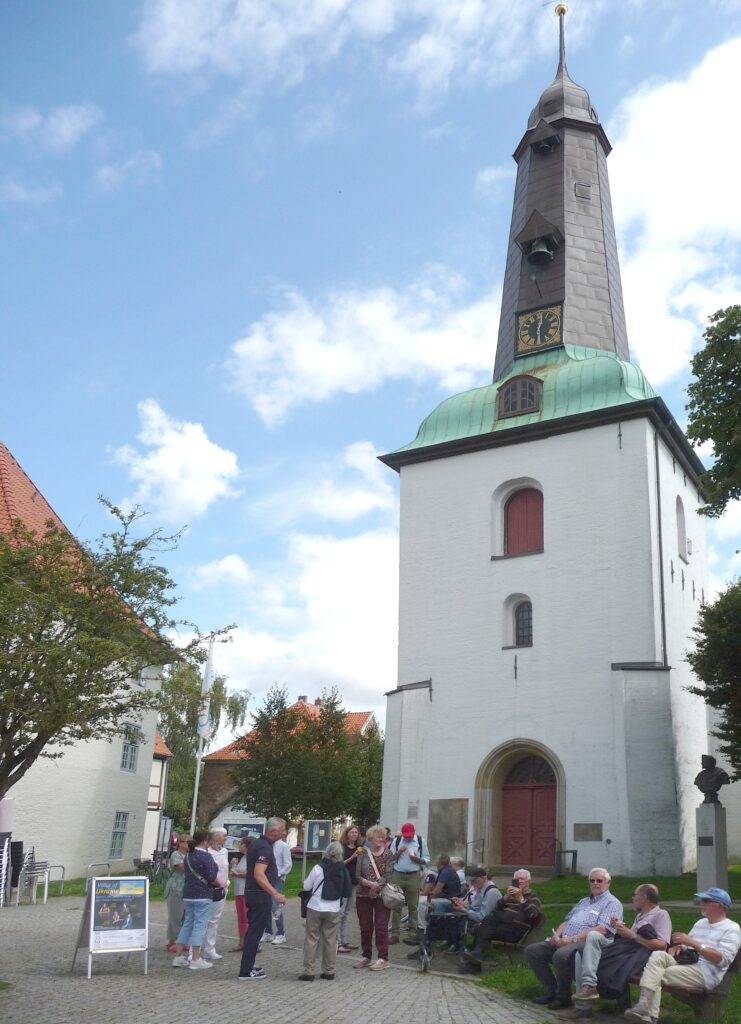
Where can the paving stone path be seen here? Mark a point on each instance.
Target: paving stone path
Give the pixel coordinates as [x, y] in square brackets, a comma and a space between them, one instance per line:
[37, 946]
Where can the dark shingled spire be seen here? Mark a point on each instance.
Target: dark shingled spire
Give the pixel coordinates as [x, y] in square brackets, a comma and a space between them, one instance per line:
[562, 252]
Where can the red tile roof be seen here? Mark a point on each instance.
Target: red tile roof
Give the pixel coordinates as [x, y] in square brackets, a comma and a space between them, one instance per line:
[355, 722]
[20, 498]
[161, 749]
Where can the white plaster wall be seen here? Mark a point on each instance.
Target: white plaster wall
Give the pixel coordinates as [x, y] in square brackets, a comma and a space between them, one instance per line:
[682, 605]
[158, 770]
[595, 601]
[66, 808]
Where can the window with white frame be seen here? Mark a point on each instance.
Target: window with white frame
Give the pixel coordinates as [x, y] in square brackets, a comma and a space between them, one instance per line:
[130, 750]
[118, 836]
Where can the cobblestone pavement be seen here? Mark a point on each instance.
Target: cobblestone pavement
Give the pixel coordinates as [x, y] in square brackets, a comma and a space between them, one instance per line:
[37, 946]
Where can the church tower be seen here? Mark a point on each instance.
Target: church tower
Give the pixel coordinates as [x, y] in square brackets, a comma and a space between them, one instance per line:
[552, 562]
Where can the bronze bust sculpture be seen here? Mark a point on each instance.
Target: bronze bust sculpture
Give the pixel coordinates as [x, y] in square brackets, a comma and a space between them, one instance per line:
[710, 779]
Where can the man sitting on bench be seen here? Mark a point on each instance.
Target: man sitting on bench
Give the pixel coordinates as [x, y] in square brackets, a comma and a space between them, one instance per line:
[714, 939]
[512, 916]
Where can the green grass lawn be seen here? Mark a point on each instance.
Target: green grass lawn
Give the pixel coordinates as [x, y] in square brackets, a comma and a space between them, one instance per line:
[76, 886]
[516, 979]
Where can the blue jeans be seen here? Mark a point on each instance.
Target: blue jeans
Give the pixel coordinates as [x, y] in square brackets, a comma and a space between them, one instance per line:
[277, 909]
[197, 913]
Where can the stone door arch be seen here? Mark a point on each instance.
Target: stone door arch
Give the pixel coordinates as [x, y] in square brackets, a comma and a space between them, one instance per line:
[519, 805]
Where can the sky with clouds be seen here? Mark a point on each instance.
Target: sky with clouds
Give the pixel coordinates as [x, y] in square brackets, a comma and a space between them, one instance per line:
[250, 245]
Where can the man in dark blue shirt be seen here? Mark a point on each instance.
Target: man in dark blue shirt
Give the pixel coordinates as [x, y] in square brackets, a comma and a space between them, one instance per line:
[259, 892]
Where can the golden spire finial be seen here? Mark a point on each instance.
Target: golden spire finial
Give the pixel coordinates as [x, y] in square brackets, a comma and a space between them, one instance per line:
[561, 11]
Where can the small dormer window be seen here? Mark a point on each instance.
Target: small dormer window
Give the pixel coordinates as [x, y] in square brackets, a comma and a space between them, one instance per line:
[520, 395]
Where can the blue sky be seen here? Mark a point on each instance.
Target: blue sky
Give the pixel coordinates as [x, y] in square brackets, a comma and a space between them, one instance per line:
[249, 246]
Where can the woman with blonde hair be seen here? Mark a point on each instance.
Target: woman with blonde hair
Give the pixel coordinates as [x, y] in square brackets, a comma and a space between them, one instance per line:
[329, 883]
[373, 871]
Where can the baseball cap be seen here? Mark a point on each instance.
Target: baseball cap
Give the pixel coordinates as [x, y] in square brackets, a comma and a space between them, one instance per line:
[715, 894]
[407, 829]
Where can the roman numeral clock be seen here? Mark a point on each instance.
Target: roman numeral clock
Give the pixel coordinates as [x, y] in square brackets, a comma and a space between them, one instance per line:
[538, 329]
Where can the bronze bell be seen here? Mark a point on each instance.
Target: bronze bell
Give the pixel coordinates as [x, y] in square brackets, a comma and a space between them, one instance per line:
[540, 252]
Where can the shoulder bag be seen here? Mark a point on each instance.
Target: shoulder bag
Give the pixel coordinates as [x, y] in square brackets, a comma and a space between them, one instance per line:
[392, 896]
[218, 892]
[305, 895]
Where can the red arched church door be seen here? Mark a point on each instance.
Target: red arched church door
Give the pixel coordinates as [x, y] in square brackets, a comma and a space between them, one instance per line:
[529, 813]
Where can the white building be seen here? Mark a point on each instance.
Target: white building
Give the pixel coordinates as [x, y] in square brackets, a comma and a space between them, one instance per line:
[552, 562]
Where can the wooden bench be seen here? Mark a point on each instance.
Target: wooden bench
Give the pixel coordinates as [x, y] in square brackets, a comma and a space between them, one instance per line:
[706, 1005]
[529, 935]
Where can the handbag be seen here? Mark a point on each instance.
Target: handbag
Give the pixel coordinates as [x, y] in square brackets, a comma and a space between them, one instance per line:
[305, 896]
[392, 896]
[218, 893]
[687, 956]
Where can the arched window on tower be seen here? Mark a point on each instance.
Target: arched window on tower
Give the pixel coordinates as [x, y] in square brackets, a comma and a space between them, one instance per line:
[523, 522]
[681, 531]
[524, 624]
[519, 395]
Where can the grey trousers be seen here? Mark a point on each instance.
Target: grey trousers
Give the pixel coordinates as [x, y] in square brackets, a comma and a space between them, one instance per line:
[588, 958]
[321, 929]
[175, 912]
[553, 967]
[347, 906]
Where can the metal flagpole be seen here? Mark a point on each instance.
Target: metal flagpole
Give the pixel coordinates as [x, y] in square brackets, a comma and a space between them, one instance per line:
[195, 788]
[204, 726]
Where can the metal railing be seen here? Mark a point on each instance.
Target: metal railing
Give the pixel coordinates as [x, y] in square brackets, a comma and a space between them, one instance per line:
[95, 864]
[478, 846]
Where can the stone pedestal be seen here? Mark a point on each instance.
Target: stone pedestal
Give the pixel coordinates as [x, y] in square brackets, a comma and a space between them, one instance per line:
[712, 847]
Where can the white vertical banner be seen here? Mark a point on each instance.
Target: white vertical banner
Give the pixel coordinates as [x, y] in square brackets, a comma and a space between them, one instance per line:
[204, 726]
[204, 705]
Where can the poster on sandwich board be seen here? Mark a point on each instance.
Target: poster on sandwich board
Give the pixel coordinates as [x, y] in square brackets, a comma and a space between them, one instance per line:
[115, 919]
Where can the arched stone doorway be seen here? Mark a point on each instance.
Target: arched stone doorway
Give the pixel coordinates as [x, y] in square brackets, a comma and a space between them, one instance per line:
[519, 804]
[529, 813]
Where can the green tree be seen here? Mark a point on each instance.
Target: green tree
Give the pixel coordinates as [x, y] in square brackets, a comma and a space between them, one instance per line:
[714, 404]
[716, 661]
[79, 624]
[367, 759]
[181, 693]
[270, 777]
[304, 766]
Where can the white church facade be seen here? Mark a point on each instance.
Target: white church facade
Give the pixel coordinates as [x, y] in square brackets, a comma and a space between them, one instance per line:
[552, 562]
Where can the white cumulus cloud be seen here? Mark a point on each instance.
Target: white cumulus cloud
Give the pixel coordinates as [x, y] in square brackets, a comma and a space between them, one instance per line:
[356, 340]
[326, 617]
[430, 43]
[138, 169]
[673, 196]
[230, 571]
[346, 489]
[58, 131]
[179, 472]
[15, 192]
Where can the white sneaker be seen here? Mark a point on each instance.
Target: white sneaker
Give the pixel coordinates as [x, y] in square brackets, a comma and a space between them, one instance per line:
[180, 961]
[278, 940]
[211, 956]
[267, 937]
[199, 965]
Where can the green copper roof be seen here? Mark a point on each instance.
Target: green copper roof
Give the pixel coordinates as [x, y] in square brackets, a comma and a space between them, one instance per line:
[575, 380]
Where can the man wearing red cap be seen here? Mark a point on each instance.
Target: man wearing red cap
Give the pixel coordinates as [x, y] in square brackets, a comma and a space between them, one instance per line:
[410, 855]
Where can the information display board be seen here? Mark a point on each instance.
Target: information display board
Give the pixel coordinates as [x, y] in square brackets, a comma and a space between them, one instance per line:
[116, 918]
[317, 837]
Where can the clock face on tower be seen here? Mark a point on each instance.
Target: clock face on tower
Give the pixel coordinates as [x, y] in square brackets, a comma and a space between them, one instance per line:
[539, 328]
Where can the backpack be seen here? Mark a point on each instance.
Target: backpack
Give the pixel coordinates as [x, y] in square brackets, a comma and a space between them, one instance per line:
[419, 844]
